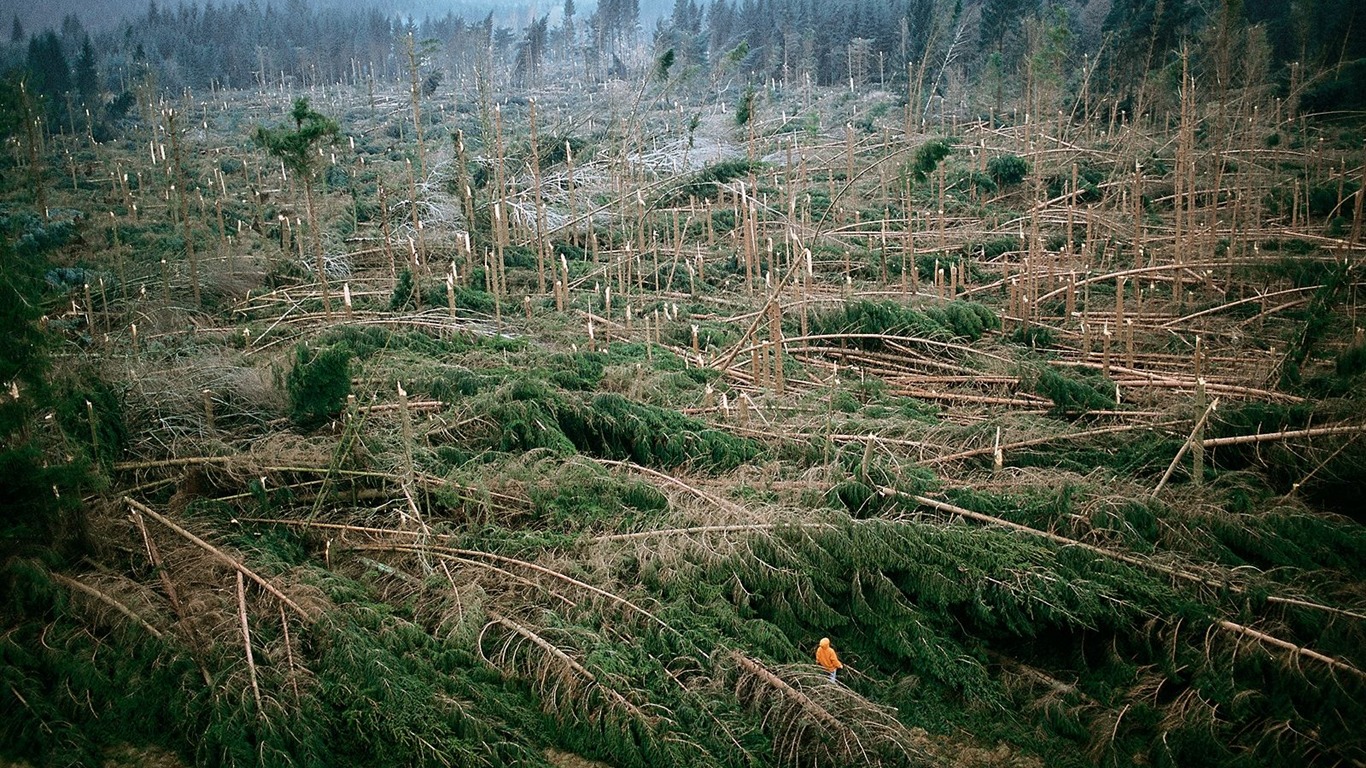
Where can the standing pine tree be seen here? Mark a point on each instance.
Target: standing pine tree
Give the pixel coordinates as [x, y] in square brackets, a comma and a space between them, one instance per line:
[49, 76]
[999, 34]
[567, 30]
[530, 51]
[616, 25]
[87, 76]
[1144, 31]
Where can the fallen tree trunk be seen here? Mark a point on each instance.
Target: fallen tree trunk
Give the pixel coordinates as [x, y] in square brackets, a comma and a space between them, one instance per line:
[1268, 437]
[219, 554]
[90, 591]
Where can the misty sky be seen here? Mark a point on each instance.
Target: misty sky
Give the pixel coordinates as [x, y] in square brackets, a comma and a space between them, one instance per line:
[37, 15]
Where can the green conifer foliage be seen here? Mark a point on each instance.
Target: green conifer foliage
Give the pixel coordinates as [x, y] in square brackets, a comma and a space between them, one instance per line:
[38, 492]
[318, 384]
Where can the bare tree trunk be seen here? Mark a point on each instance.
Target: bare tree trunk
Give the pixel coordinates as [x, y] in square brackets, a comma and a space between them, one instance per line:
[180, 179]
[35, 168]
[318, 260]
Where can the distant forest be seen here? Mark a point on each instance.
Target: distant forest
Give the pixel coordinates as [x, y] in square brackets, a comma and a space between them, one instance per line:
[969, 56]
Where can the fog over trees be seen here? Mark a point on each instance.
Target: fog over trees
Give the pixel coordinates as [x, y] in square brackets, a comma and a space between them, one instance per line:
[951, 47]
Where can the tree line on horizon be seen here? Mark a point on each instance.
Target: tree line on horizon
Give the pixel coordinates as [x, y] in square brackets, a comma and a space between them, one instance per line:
[975, 56]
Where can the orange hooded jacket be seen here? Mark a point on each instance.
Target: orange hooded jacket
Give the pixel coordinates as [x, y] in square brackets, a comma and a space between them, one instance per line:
[826, 656]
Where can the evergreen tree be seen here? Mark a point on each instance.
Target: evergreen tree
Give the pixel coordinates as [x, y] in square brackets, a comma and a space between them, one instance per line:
[1050, 45]
[681, 32]
[920, 19]
[502, 40]
[298, 150]
[720, 25]
[567, 31]
[999, 19]
[531, 50]
[16, 33]
[617, 20]
[73, 31]
[1144, 31]
[48, 72]
[87, 76]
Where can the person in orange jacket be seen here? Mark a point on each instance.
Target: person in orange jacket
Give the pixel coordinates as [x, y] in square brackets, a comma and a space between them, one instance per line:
[826, 657]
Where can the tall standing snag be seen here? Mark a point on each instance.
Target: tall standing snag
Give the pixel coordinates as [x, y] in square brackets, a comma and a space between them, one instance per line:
[180, 185]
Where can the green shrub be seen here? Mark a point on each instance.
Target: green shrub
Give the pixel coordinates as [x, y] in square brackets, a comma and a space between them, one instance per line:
[927, 263]
[816, 202]
[1007, 169]
[572, 252]
[927, 157]
[526, 423]
[867, 317]
[40, 493]
[616, 428]
[964, 319]
[982, 181]
[405, 292]
[577, 371]
[860, 494]
[578, 496]
[1344, 91]
[710, 333]
[1088, 183]
[745, 109]
[551, 151]
[33, 236]
[318, 384]
[1323, 199]
[467, 298]
[336, 177]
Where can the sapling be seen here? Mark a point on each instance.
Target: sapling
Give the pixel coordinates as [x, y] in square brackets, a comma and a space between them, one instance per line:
[299, 151]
